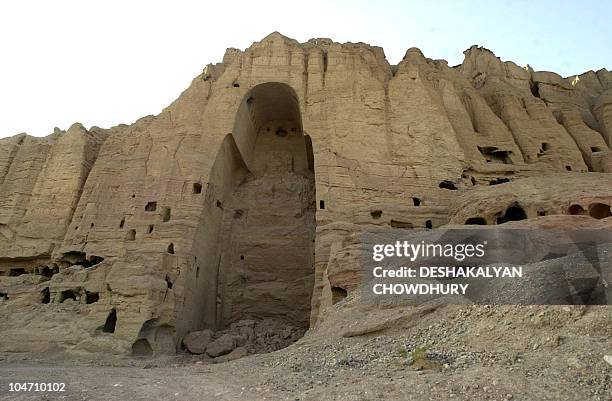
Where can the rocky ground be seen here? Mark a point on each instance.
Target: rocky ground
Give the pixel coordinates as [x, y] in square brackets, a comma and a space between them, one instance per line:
[359, 353]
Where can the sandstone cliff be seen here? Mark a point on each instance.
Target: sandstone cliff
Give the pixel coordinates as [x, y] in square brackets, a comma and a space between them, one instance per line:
[236, 200]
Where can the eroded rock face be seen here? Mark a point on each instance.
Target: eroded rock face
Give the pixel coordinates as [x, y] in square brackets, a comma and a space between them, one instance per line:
[243, 199]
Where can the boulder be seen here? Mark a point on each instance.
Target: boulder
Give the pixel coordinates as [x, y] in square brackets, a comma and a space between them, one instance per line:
[197, 341]
[238, 353]
[221, 346]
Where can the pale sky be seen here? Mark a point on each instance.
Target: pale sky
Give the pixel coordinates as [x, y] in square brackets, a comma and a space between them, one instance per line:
[109, 62]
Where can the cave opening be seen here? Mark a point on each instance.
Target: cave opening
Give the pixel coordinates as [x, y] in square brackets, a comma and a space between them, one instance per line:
[446, 184]
[111, 322]
[91, 297]
[265, 170]
[45, 296]
[600, 210]
[514, 213]
[142, 348]
[151, 206]
[338, 294]
[478, 221]
[68, 294]
[494, 155]
[576, 209]
[17, 272]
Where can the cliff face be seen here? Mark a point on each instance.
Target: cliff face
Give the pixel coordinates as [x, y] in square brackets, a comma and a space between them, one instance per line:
[235, 202]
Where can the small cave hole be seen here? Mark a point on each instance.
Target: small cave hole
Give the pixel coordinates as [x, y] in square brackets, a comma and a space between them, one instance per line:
[534, 88]
[238, 213]
[498, 181]
[448, 185]
[568, 168]
[130, 235]
[493, 154]
[151, 207]
[428, 224]
[476, 221]
[168, 282]
[91, 297]
[91, 225]
[17, 272]
[170, 249]
[46, 272]
[241, 257]
[576, 209]
[142, 347]
[150, 228]
[376, 214]
[68, 294]
[513, 213]
[325, 61]
[599, 210]
[45, 296]
[236, 85]
[338, 294]
[542, 213]
[4, 296]
[110, 323]
[596, 149]
[416, 202]
[197, 188]
[92, 261]
[321, 204]
[281, 132]
[122, 223]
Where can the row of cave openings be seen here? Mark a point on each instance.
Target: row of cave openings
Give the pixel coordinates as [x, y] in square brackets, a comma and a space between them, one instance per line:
[165, 215]
[83, 296]
[76, 295]
[515, 212]
[377, 214]
[48, 271]
[493, 154]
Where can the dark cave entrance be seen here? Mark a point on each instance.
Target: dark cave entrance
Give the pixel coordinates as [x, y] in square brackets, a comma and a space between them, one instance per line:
[256, 239]
[514, 213]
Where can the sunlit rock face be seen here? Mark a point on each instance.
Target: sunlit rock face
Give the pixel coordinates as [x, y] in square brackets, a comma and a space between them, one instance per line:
[241, 201]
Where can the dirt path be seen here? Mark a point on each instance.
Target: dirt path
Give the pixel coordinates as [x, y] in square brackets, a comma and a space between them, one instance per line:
[127, 383]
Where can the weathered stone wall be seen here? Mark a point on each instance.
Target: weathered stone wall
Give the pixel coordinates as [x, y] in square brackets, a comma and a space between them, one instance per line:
[137, 232]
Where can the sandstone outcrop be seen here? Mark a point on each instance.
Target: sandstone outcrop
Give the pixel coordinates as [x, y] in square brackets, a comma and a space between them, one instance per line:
[242, 199]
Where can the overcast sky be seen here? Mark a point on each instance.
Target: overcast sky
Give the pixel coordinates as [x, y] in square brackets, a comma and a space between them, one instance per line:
[109, 62]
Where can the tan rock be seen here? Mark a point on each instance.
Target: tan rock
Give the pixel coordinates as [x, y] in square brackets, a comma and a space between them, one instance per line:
[221, 346]
[197, 341]
[237, 353]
